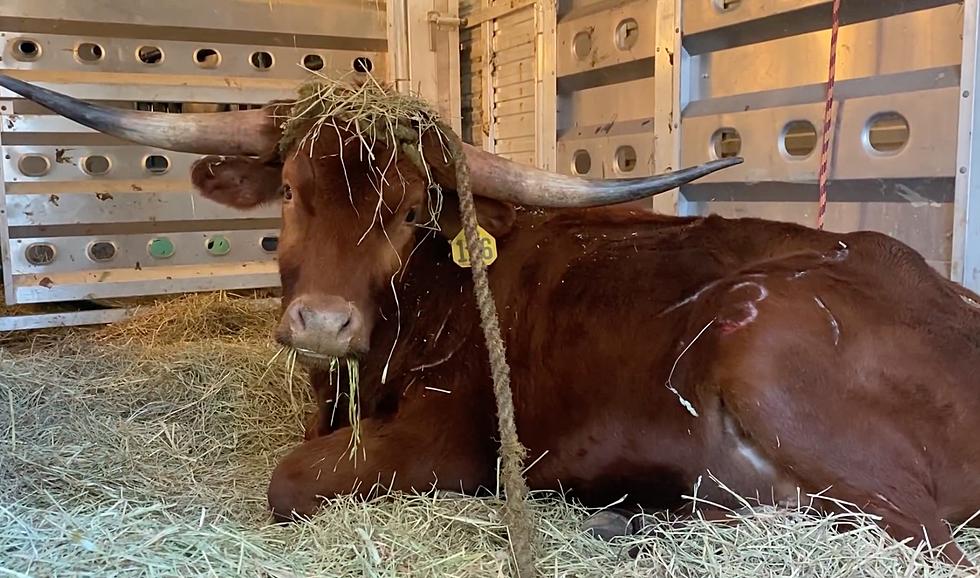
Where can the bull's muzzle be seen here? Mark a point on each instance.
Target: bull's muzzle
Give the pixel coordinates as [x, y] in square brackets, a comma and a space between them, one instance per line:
[322, 327]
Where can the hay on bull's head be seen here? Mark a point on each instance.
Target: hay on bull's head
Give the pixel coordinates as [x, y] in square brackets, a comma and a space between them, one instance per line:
[375, 114]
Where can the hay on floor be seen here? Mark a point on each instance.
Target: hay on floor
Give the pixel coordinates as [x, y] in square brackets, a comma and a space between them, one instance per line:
[145, 449]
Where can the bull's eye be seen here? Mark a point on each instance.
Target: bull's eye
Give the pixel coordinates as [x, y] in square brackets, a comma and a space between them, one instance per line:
[410, 216]
[287, 192]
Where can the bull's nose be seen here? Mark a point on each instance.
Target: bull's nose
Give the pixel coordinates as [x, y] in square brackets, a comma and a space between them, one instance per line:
[332, 321]
[325, 326]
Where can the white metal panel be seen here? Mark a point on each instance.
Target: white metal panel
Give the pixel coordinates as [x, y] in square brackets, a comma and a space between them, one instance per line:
[92, 50]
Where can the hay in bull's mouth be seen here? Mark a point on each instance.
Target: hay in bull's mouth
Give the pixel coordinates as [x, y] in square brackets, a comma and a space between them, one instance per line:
[334, 366]
[144, 449]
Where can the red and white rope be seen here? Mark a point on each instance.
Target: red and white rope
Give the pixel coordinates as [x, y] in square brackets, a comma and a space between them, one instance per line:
[827, 115]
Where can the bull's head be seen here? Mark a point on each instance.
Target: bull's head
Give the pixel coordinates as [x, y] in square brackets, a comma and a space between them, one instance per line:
[344, 237]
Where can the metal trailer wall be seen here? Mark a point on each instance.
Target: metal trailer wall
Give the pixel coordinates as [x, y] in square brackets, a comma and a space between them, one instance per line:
[753, 78]
[646, 86]
[86, 216]
[508, 72]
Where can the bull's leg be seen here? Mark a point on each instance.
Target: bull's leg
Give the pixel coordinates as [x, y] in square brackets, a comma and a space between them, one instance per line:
[826, 450]
[404, 454]
[808, 405]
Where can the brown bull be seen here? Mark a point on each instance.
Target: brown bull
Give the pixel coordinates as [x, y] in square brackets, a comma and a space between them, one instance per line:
[645, 350]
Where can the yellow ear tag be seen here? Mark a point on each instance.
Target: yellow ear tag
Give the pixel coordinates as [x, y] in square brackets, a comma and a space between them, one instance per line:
[462, 257]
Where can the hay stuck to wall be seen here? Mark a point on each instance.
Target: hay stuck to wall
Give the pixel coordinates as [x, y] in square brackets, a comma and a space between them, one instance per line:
[145, 449]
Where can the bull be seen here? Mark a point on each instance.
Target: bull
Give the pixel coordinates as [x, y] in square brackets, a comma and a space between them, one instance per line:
[646, 350]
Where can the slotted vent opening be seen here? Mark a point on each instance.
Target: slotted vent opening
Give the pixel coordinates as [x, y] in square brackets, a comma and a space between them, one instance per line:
[40, 254]
[33, 165]
[207, 57]
[625, 159]
[726, 143]
[96, 165]
[363, 64]
[582, 44]
[261, 60]
[101, 251]
[313, 62]
[887, 133]
[799, 139]
[156, 164]
[149, 55]
[26, 49]
[269, 244]
[581, 162]
[627, 33]
[89, 52]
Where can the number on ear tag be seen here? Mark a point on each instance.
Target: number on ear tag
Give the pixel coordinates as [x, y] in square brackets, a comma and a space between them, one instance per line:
[462, 256]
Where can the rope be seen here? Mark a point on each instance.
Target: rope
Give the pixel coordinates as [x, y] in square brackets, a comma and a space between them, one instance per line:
[516, 514]
[827, 116]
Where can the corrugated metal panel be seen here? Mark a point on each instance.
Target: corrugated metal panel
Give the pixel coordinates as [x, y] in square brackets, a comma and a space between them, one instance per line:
[471, 69]
[514, 82]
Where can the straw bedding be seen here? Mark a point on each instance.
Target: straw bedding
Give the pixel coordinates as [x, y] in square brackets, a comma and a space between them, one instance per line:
[144, 449]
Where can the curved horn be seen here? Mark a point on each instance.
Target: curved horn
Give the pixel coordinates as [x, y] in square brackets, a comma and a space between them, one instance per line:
[499, 178]
[242, 132]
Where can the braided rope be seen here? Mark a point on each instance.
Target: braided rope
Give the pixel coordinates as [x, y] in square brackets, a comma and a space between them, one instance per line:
[516, 515]
[827, 115]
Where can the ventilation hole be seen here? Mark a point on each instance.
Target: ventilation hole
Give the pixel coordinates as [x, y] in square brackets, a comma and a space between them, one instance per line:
[727, 5]
[89, 52]
[261, 60]
[96, 165]
[799, 138]
[582, 45]
[26, 50]
[363, 64]
[581, 162]
[887, 132]
[101, 251]
[269, 244]
[627, 33]
[313, 62]
[207, 58]
[218, 245]
[625, 159]
[160, 248]
[156, 164]
[33, 165]
[39, 254]
[726, 143]
[149, 54]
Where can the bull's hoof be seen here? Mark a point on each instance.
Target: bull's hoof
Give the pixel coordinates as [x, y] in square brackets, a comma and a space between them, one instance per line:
[288, 500]
[609, 524]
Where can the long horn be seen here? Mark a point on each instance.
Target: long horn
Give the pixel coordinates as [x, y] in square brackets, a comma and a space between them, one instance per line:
[496, 177]
[241, 132]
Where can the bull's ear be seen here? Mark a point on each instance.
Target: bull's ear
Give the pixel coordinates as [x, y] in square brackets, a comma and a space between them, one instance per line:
[495, 216]
[240, 182]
